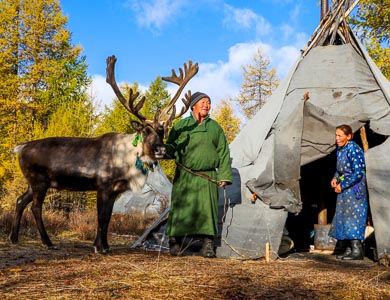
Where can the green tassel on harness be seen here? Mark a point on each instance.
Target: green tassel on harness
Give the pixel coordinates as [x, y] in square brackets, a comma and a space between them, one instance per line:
[137, 138]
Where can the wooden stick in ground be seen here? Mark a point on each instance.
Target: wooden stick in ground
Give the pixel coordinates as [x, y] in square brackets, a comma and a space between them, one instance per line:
[267, 256]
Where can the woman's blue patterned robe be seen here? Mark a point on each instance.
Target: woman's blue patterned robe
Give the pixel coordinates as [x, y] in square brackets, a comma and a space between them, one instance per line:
[350, 218]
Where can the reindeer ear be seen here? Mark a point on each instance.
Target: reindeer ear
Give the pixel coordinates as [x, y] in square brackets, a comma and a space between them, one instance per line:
[137, 126]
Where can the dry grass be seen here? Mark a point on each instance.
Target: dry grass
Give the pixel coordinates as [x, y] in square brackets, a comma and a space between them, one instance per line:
[29, 271]
[78, 225]
[73, 272]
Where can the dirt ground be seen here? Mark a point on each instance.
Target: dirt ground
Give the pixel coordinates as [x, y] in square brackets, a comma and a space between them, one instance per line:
[29, 271]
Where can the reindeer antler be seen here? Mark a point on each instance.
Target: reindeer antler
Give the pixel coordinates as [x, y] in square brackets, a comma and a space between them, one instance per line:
[127, 103]
[168, 114]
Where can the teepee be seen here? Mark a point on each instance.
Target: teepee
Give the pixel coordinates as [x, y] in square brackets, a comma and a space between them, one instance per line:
[283, 159]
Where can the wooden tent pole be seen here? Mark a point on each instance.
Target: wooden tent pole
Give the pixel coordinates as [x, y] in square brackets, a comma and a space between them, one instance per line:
[363, 136]
[323, 216]
[327, 23]
[322, 29]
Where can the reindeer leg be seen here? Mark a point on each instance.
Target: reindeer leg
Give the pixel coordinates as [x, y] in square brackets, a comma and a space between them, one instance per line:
[105, 203]
[36, 207]
[21, 204]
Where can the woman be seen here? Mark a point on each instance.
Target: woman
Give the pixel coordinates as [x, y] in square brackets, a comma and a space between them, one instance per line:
[349, 182]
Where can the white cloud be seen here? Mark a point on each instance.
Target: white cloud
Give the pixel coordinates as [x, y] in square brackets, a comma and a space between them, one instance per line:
[222, 80]
[154, 14]
[241, 17]
[283, 59]
[101, 92]
[244, 18]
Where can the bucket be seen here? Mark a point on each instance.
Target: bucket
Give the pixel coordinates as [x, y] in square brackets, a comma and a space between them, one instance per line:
[322, 241]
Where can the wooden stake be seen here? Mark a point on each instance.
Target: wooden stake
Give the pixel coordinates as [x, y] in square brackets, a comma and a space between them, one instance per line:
[267, 252]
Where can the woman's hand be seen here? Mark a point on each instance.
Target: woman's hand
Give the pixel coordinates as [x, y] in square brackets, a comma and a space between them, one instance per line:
[333, 183]
[223, 183]
[337, 189]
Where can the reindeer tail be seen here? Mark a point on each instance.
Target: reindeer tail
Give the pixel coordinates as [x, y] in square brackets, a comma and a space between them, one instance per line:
[18, 148]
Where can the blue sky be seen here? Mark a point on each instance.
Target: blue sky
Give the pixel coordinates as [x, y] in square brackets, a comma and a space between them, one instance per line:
[151, 37]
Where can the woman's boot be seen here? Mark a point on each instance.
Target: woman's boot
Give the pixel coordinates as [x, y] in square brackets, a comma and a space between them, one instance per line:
[347, 246]
[356, 251]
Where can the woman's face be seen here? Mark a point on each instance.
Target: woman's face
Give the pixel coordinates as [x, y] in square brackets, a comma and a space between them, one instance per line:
[341, 138]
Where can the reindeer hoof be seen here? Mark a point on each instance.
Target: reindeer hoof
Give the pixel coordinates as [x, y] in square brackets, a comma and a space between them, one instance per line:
[106, 251]
[52, 247]
[12, 239]
[102, 251]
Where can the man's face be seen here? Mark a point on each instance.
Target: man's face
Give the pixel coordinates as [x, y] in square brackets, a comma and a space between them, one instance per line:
[202, 108]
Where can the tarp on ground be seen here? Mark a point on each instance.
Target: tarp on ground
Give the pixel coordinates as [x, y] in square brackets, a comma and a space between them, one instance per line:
[152, 200]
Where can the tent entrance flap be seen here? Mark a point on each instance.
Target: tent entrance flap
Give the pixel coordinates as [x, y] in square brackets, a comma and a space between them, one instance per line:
[317, 199]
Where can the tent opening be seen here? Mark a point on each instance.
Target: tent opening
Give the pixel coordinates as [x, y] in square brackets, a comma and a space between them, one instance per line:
[316, 196]
[319, 200]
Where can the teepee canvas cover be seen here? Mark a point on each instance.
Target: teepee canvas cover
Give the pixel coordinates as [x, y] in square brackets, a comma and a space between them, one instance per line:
[344, 87]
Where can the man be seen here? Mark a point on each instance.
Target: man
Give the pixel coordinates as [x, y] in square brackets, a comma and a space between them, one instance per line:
[199, 147]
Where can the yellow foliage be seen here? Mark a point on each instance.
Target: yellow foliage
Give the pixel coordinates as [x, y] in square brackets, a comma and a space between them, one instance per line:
[230, 123]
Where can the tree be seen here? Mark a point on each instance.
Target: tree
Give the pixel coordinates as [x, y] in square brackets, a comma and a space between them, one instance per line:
[157, 97]
[116, 118]
[224, 115]
[372, 25]
[40, 71]
[71, 119]
[259, 82]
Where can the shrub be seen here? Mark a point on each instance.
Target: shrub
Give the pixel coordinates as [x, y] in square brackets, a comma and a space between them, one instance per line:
[81, 225]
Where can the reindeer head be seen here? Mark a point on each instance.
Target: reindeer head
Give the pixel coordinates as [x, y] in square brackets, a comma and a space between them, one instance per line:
[163, 118]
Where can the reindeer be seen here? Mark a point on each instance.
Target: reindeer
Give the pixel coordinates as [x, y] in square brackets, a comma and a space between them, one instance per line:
[109, 164]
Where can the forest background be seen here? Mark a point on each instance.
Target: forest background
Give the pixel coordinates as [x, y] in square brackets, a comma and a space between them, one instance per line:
[44, 86]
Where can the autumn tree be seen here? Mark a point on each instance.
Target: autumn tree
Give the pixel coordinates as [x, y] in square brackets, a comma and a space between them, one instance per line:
[76, 118]
[225, 116]
[372, 25]
[259, 82]
[115, 117]
[40, 71]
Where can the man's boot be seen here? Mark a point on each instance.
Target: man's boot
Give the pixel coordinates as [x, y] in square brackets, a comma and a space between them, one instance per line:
[346, 244]
[174, 246]
[207, 249]
[356, 251]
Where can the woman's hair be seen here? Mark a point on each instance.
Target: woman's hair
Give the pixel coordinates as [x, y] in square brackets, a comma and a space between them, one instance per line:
[346, 129]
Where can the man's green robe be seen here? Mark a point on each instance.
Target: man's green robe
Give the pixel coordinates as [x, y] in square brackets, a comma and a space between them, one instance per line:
[194, 202]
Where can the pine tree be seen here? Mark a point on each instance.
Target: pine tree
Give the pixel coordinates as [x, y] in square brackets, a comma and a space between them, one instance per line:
[157, 97]
[259, 82]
